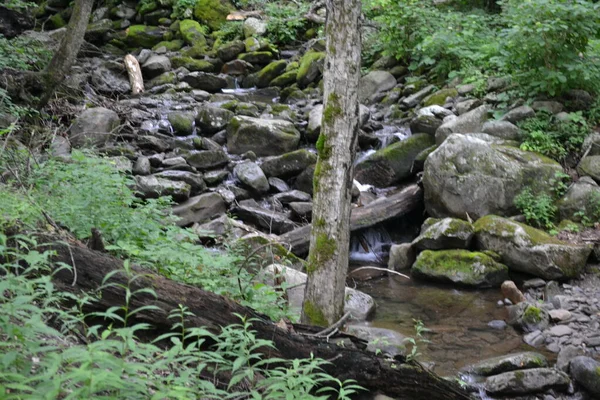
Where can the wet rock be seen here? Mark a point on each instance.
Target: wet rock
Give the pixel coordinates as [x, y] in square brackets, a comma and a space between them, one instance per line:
[270, 72]
[402, 257]
[290, 164]
[530, 250]
[269, 220]
[467, 175]
[256, 58]
[93, 127]
[110, 82]
[263, 137]
[585, 371]
[528, 318]
[205, 81]
[380, 340]
[466, 123]
[252, 176]
[229, 51]
[361, 305]
[565, 356]
[195, 180]
[392, 163]
[560, 330]
[311, 68]
[511, 292]
[211, 120]
[304, 181]
[497, 324]
[510, 362]
[207, 159]
[215, 177]
[534, 339]
[199, 209]
[448, 233]
[425, 124]
[527, 381]
[154, 187]
[154, 143]
[292, 196]
[460, 266]
[182, 122]
[560, 315]
[301, 210]
[375, 82]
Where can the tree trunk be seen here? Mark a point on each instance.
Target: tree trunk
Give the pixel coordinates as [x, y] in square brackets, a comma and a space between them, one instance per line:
[63, 59]
[406, 381]
[330, 235]
[135, 74]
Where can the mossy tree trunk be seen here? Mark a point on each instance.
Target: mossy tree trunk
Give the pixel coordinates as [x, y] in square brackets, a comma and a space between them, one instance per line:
[330, 234]
[63, 59]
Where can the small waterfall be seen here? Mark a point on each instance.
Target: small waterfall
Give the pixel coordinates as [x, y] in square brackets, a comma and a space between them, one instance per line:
[390, 134]
[370, 245]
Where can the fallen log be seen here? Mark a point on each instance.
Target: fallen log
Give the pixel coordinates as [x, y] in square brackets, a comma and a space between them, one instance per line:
[380, 210]
[135, 74]
[212, 311]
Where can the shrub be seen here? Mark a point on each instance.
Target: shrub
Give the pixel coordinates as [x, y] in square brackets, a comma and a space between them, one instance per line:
[23, 53]
[539, 209]
[285, 22]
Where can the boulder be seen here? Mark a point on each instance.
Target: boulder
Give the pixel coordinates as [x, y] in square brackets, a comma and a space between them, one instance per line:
[528, 317]
[252, 177]
[285, 79]
[392, 163]
[254, 27]
[182, 122]
[501, 129]
[402, 257]
[265, 137]
[509, 362]
[469, 176]
[207, 159]
[439, 98]
[109, 81]
[579, 200]
[154, 187]
[460, 266]
[530, 250]
[211, 120]
[229, 51]
[195, 180]
[143, 36]
[291, 197]
[93, 127]
[518, 114]
[311, 67]
[590, 166]
[448, 233]
[469, 122]
[315, 118]
[380, 340]
[191, 64]
[257, 58]
[205, 81]
[156, 65]
[290, 164]
[270, 72]
[586, 372]
[212, 12]
[269, 220]
[375, 82]
[361, 305]
[414, 99]
[527, 381]
[199, 209]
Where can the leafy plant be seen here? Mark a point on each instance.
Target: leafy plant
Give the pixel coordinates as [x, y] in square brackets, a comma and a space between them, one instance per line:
[539, 209]
[416, 341]
[285, 22]
[23, 53]
[184, 9]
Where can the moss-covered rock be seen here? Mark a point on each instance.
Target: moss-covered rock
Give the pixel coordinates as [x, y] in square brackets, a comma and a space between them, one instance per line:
[509, 362]
[263, 137]
[229, 51]
[590, 166]
[285, 79]
[439, 98]
[147, 7]
[460, 266]
[290, 164]
[270, 72]
[171, 45]
[57, 21]
[212, 12]
[420, 159]
[163, 79]
[530, 250]
[211, 120]
[392, 163]
[528, 317]
[192, 32]
[311, 67]
[143, 36]
[447, 233]
[192, 64]
[257, 57]
[182, 122]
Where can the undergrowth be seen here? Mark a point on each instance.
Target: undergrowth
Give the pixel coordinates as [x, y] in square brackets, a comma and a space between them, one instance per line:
[51, 352]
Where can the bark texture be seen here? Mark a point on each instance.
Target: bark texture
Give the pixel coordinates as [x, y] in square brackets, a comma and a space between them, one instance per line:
[63, 59]
[212, 311]
[330, 235]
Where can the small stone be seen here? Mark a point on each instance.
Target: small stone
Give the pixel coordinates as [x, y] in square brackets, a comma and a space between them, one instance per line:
[560, 315]
[497, 324]
[534, 283]
[560, 330]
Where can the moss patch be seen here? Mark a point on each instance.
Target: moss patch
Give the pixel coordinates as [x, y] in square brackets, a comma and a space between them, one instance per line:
[143, 36]
[212, 12]
[314, 314]
[192, 32]
[323, 251]
[192, 64]
[439, 97]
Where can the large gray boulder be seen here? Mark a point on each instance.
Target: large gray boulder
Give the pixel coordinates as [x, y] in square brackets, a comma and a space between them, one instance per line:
[252, 177]
[375, 82]
[590, 166]
[153, 187]
[195, 180]
[530, 250]
[578, 200]
[392, 163]
[470, 122]
[207, 159]
[460, 266]
[501, 129]
[470, 176]
[200, 209]
[290, 164]
[265, 137]
[254, 27]
[269, 220]
[156, 65]
[509, 362]
[586, 372]
[527, 381]
[93, 127]
[205, 81]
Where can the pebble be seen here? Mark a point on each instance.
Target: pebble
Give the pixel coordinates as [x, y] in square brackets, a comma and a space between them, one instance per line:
[560, 330]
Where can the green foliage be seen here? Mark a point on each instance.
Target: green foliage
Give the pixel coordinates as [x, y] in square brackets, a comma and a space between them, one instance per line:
[183, 9]
[19, 5]
[23, 53]
[285, 21]
[539, 209]
[545, 44]
[229, 32]
[39, 361]
[591, 215]
[554, 137]
[420, 329]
